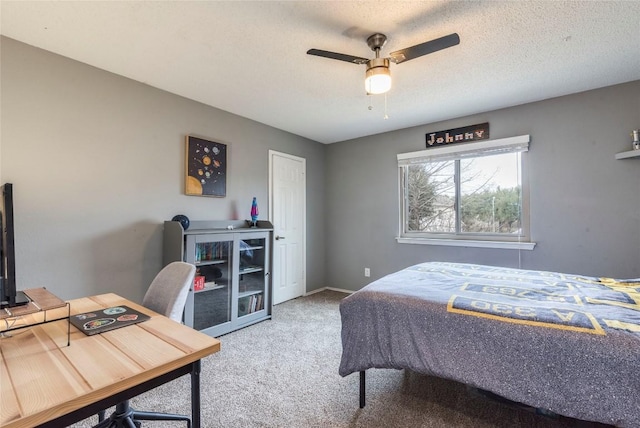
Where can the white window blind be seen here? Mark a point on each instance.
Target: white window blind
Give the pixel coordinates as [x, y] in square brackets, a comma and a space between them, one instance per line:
[466, 150]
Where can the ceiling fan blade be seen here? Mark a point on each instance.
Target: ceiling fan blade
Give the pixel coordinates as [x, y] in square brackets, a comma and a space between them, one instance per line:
[338, 56]
[424, 48]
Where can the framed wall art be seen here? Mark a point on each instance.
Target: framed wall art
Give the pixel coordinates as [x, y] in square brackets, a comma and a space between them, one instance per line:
[206, 169]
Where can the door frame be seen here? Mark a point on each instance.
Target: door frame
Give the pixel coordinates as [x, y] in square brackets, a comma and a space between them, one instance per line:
[273, 153]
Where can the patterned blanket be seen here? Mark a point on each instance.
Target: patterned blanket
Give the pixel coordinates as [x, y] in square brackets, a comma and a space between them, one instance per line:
[566, 343]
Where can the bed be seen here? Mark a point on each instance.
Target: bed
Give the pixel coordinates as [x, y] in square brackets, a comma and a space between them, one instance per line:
[566, 343]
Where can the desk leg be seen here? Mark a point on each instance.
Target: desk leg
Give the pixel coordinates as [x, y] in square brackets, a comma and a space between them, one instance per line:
[195, 394]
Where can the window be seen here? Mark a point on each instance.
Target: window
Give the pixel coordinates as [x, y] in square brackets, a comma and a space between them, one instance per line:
[464, 193]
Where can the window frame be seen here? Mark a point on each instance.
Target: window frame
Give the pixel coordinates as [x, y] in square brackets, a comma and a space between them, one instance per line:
[465, 151]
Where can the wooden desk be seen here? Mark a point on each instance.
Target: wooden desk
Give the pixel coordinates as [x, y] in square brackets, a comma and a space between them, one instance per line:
[44, 382]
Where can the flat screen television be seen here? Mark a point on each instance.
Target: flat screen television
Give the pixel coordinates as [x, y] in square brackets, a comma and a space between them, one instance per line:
[9, 296]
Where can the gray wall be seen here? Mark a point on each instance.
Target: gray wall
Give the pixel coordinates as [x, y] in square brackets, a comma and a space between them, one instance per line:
[585, 205]
[97, 163]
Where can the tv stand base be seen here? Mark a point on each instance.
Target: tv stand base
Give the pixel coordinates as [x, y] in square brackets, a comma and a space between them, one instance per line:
[21, 300]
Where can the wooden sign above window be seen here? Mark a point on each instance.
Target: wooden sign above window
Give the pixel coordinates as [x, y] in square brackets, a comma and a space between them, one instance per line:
[458, 135]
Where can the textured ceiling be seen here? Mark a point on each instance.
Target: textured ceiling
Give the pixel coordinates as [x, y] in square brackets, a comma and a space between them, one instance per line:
[249, 58]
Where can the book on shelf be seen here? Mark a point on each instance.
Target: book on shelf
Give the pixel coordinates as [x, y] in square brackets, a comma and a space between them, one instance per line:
[198, 283]
[250, 304]
[208, 251]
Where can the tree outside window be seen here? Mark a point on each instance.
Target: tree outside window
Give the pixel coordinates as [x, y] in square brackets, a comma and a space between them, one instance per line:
[473, 196]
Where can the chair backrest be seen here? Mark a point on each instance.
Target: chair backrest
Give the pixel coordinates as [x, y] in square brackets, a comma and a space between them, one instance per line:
[168, 292]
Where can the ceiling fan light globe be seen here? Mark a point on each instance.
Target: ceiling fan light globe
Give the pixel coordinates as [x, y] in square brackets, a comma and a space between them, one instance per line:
[377, 84]
[378, 77]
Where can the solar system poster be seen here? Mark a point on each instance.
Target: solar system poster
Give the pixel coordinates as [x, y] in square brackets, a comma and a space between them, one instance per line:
[206, 168]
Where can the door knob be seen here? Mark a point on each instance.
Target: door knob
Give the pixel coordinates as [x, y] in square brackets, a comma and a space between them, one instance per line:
[279, 238]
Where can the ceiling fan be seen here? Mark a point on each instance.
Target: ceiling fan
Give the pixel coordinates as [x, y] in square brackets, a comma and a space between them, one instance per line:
[378, 76]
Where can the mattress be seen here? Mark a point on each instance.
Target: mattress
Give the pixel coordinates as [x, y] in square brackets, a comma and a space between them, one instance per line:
[566, 343]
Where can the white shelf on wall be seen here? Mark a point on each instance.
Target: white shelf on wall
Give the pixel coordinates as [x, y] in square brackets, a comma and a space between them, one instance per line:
[628, 155]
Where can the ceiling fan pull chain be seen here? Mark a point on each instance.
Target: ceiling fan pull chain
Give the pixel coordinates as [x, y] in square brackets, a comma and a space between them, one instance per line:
[386, 116]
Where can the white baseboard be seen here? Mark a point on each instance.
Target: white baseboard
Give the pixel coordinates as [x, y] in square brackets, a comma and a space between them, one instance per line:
[340, 290]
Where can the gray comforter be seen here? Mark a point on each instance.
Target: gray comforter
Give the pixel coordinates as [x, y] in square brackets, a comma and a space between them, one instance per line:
[566, 343]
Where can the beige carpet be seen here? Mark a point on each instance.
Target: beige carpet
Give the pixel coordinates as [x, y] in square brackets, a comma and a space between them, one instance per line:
[284, 373]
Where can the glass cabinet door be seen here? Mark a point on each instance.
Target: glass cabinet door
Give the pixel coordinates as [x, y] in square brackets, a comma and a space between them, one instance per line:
[212, 256]
[251, 278]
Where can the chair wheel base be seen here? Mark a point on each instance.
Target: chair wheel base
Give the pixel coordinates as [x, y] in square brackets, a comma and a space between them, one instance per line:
[126, 417]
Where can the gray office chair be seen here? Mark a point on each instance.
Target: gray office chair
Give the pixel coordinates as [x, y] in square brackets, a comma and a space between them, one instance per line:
[166, 295]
